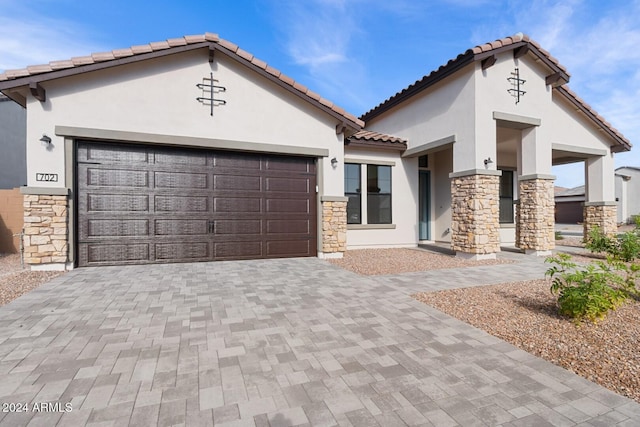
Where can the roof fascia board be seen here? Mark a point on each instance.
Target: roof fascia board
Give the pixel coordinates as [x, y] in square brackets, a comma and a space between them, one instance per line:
[288, 87]
[67, 72]
[623, 146]
[395, 146]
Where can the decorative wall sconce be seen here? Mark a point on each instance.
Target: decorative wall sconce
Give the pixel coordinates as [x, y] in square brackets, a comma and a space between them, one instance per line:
[46, 141]
[334, 162]
[488, 162]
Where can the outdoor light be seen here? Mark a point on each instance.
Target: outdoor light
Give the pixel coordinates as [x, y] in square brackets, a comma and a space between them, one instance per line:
[487, 162]
[45, 140]
[334, 162]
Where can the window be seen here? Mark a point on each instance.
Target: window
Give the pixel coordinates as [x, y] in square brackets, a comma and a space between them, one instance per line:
[376, 200]
[378, 194]
[506, 197]
[352, 191]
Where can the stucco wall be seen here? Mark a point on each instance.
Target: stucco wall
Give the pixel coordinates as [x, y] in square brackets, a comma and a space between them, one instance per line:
[159, 97]
[13, 128]
[626, 192]
[443, 110]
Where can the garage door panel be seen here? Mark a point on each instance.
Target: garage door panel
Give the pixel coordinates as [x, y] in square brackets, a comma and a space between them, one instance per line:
[237, 205]
[181, 180]
[186, 159]
[288, 185]
[287, 248]
[181, 227]
[236, 250]
[117, 178]
[116, 202]
[237, 182]
[287, 205]
[140, 205]
[181, 203]
[288, 226]
[113, 154]
[182, 251]
[236, 162]
[287, 164]
[117, 227]
[238, 227]
[117, 253]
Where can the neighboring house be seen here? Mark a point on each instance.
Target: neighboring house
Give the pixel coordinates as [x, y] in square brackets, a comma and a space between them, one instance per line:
[627, 184]
[570, 205]
[193, 149]
[13, 130]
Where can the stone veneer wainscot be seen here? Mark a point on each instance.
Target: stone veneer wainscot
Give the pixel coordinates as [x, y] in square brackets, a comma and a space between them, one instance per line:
[45, 229]
[334, 225]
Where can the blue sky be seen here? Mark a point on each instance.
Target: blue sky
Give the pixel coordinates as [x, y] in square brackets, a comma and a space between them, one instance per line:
[357, 52]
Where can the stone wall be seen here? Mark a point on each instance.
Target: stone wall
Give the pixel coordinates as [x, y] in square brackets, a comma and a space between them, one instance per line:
[334, 227]
[475, 221]
[535, 224]
[603, 216]
[45, 229]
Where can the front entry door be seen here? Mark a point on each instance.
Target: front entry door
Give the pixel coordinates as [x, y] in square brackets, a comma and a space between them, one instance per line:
[424, 186]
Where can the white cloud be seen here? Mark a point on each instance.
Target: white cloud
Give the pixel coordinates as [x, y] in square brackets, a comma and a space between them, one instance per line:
[40, 40]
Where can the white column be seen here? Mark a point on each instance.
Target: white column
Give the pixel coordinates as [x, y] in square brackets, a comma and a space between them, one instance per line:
[600, 179]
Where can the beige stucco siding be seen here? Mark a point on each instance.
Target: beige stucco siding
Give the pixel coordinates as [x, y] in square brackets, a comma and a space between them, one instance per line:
[159, 97]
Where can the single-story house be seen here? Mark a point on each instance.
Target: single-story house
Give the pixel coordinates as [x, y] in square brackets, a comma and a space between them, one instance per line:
[627, 190]
[570, 205]
[193, 149]
[13, 133]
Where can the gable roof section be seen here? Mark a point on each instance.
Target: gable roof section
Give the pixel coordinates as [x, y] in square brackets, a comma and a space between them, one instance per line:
[33, 75]
[370, 139]
[521, 45]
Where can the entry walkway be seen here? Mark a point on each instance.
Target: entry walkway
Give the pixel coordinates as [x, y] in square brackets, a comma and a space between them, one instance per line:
[277, 342]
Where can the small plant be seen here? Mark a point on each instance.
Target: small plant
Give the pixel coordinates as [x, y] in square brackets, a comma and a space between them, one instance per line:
[587, 293]
[624, 247]
[559, 236]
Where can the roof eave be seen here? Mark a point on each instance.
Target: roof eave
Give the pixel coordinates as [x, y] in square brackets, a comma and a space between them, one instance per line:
[622, 143]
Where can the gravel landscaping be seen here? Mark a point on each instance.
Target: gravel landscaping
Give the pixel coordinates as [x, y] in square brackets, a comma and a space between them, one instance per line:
[15, 281]
[373, 262]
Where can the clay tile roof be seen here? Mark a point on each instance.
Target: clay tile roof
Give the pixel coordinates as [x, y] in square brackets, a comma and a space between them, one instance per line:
[133, 51]
[367, 135]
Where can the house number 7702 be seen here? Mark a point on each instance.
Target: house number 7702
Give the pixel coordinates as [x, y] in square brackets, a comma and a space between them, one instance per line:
[48, 177]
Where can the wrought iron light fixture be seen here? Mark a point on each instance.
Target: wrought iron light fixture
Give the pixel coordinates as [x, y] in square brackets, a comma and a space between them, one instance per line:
[488, 162]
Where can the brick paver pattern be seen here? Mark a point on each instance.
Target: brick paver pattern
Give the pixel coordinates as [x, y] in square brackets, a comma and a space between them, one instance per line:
[279, 343]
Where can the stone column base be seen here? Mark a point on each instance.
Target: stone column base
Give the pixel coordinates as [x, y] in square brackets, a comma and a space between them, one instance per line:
[46, 231]
[475, 221]
[334, 227]
[535, 223]
[602, 215]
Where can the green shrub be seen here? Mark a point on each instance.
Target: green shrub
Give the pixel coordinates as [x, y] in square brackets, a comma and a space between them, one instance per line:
[559, 236]
[624, 247]
[588, 292]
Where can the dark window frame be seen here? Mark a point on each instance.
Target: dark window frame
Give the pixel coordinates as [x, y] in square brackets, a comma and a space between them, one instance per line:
[354, 209]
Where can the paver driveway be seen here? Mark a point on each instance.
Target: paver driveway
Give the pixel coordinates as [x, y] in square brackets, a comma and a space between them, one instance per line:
[279, 342]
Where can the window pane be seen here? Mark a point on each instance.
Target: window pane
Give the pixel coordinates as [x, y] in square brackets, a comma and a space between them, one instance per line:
[506, 197]
[352, 191]
[378, 194]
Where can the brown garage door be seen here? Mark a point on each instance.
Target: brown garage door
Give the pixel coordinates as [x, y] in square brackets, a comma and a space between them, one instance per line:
[143, 204]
